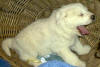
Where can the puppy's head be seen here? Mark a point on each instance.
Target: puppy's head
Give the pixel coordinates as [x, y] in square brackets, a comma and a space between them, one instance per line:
[74, 15]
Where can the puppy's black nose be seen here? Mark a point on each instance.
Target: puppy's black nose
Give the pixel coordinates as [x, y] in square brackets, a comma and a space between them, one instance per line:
[93, 17]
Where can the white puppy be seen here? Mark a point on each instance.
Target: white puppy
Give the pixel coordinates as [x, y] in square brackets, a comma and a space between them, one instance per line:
[57, 33]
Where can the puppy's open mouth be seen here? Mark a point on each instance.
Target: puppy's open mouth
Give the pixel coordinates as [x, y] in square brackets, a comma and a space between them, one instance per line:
[83, 30]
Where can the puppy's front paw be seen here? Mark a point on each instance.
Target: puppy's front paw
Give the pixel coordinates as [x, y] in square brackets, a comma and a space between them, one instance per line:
[81, 64]
[85, 50]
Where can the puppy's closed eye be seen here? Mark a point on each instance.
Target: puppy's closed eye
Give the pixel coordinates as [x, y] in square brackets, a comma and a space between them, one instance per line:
[81, 14]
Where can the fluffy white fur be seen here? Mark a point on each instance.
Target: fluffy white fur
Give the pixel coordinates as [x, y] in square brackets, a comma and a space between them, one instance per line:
[57, 33]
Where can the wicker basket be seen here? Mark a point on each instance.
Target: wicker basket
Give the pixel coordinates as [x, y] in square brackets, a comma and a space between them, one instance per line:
[17, 14]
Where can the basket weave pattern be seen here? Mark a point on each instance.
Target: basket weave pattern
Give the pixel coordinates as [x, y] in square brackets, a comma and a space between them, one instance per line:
[17, 14]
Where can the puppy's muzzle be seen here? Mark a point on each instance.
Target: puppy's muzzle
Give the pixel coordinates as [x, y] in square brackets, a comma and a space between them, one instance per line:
[93, 17]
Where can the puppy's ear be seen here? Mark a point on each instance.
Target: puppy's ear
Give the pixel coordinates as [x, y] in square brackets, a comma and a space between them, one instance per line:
[60, 16]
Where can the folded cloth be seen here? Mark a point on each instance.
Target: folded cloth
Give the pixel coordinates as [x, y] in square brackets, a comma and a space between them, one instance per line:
[56, 63]
[4, 63]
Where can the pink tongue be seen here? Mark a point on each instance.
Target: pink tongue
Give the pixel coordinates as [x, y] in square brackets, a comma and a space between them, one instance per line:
[83, 30]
